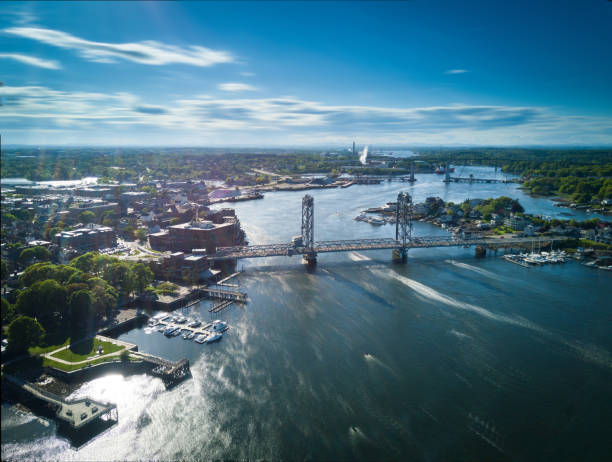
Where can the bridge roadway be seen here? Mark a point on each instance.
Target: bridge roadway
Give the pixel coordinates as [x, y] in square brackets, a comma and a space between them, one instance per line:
[282, 250]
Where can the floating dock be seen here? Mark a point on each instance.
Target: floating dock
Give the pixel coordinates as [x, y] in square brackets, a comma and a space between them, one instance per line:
[221, 306]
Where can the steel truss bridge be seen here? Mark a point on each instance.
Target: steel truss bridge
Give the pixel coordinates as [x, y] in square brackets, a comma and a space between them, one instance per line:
[287, 250]
[404, 241]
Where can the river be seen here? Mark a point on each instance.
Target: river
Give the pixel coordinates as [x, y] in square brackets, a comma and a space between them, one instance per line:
[447, 357]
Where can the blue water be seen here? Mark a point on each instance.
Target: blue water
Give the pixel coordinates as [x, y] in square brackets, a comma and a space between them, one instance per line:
[447, 357]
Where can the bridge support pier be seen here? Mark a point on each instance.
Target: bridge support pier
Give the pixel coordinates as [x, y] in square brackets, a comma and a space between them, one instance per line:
[481, 251]
[400, 255]
[310, 259]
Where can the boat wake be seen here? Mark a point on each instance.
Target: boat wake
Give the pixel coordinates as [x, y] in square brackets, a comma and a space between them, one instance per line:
[589, 352]
[356, 256]
[475, 269]
[374, 360]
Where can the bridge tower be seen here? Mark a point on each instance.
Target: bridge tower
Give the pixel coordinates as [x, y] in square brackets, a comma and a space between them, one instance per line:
[403, 226]
[447, 173]
[310, 255]
[412, 180]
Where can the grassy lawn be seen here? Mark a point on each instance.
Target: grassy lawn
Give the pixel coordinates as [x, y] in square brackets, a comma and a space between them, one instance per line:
[46, 349]
[69, 354]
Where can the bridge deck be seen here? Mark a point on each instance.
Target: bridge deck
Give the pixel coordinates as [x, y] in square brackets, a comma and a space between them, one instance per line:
[277, 250]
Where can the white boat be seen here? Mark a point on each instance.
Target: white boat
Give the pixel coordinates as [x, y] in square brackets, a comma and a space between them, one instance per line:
[195, 324]
[220, 326]
[191, 336]
[152, 322]
[180, 320]
[176, 332]
[201, 338]
[186, 335]
[170, 330]
[214, 337]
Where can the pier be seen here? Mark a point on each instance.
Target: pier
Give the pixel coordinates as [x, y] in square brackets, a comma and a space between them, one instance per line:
[221, 306]
[170, 372]
[224, 294]
[77, 414]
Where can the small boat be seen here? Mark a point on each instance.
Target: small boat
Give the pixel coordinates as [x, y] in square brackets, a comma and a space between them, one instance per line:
[181, 320]
[201, 338]
[190, 336]
[152, 322]
[161, 328]
[220, 326]
[195, 324]
[176, 332]
[170, 330]
[186, 335]
[214, 337]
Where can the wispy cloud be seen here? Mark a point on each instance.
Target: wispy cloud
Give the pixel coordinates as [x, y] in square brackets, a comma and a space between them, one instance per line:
[147, 52]
[235, 86]
[247, 74]
[34, 109]
[456, 71]
[32, 60]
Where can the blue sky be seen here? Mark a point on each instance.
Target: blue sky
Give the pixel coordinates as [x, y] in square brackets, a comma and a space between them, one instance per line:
[306, 74]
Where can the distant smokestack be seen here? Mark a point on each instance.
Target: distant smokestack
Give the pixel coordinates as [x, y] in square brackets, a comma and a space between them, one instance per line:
[354, 148]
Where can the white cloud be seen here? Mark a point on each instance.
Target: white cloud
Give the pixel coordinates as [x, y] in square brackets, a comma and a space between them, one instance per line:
[147, 52]
[456, 71]
[32, 60]
[234, 86]
[32, 111]
[247, 74]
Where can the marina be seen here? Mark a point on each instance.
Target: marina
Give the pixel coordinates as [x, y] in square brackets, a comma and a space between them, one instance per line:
[535, 259]
[175, 325]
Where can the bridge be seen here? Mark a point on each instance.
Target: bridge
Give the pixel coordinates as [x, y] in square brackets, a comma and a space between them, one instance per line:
[306, 246]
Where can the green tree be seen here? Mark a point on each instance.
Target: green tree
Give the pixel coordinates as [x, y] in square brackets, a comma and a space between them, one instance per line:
[32, 254]
[4, 271]
[119, 276]
[141, 276]
[141, 234]
[42, 299]
[8, 218]
[8, 311]
[86, 262]
[45, 270]
[87, 216]
[80, 306]
[103, 296]
[23, 333]
[24, 214]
